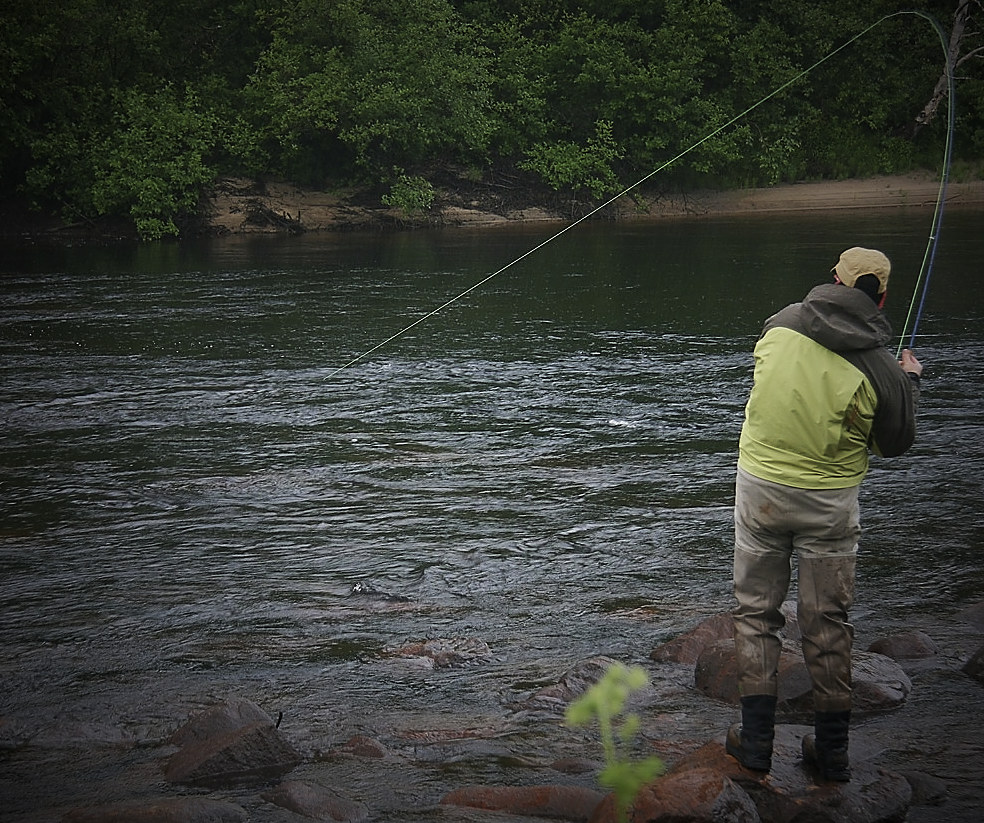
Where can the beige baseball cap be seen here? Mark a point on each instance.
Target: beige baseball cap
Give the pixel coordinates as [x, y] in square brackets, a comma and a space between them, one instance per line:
[858, 261]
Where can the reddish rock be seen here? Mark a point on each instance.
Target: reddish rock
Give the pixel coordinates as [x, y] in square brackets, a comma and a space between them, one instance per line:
[688, 647]
[913, 645]
[362, 746]
[716, 673]
[697, 795]
[316, 802]
[717, 785]
[566, 802]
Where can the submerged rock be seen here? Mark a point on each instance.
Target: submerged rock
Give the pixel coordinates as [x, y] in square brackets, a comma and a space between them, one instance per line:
[316, 802]
[442, 653]
[362, 746]
[975, 666]
[914, 645]
[219, 720]
[571, 685]
[974, 615]
[233, 743]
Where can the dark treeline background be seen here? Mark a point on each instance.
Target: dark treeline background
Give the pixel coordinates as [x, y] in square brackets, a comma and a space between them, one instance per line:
[135, 107]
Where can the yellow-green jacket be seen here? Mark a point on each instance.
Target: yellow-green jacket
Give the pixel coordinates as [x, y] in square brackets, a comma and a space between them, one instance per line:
[826, 390]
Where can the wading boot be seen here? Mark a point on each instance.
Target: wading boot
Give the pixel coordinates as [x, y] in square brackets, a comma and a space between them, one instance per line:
[826, 752]
[750, 741]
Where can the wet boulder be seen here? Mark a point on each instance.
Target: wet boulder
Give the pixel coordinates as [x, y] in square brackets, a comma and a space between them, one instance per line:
[219, 720]
[565, 802]
[879, 682]
[710, 785]
[914, 645]
[974, 615]
[233, 743]
[698, 795]
[975, 666]
[688, 647]
[716, 674]
[316, 802]
[927, 789]
[791, 629]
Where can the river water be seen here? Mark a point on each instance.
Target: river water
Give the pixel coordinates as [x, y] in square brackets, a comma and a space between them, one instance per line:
[194, 505]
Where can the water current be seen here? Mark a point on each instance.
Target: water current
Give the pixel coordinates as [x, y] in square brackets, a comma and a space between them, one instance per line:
[192, 506]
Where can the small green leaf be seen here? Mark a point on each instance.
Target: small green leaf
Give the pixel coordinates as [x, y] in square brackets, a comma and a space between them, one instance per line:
[605, 701]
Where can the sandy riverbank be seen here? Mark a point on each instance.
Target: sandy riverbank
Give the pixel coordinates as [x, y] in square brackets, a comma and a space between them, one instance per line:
[900, 191]
[243, 206]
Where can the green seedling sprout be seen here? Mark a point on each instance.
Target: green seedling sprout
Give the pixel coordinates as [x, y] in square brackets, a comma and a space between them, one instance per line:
[605, 700]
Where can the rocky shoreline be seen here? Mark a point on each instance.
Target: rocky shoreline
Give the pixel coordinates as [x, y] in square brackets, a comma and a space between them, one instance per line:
[238, 206]
[232, 762]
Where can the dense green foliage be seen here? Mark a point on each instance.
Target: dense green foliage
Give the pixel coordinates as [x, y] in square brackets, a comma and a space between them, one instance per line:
[134, 107]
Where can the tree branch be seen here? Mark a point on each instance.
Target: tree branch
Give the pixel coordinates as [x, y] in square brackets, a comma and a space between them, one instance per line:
[957, 36]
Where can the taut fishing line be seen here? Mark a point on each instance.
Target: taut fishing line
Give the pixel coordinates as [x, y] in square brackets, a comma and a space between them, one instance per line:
[933, 236]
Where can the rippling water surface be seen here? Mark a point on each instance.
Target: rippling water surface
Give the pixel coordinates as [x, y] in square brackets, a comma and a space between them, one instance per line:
[194, 505]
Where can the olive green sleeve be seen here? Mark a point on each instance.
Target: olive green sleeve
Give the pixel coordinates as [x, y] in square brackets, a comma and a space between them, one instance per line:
[894, 428]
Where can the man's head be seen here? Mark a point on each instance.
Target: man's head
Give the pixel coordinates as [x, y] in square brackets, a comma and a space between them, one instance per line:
[864, 269]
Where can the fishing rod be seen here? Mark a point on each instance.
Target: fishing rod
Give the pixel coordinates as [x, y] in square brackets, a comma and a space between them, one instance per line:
[795, 79]
[929, 257]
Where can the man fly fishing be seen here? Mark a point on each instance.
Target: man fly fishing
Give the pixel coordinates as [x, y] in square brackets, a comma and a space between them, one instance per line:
[826, 391]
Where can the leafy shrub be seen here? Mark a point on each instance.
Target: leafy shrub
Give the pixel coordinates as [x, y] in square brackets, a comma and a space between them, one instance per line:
[569, 166]
[605, 700]
[155, 166]
[412, 195]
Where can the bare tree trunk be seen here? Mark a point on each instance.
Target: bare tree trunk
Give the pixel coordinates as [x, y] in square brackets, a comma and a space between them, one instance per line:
[957, 35]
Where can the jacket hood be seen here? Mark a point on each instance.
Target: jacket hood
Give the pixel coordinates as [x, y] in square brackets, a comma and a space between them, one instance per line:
[844, 319]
